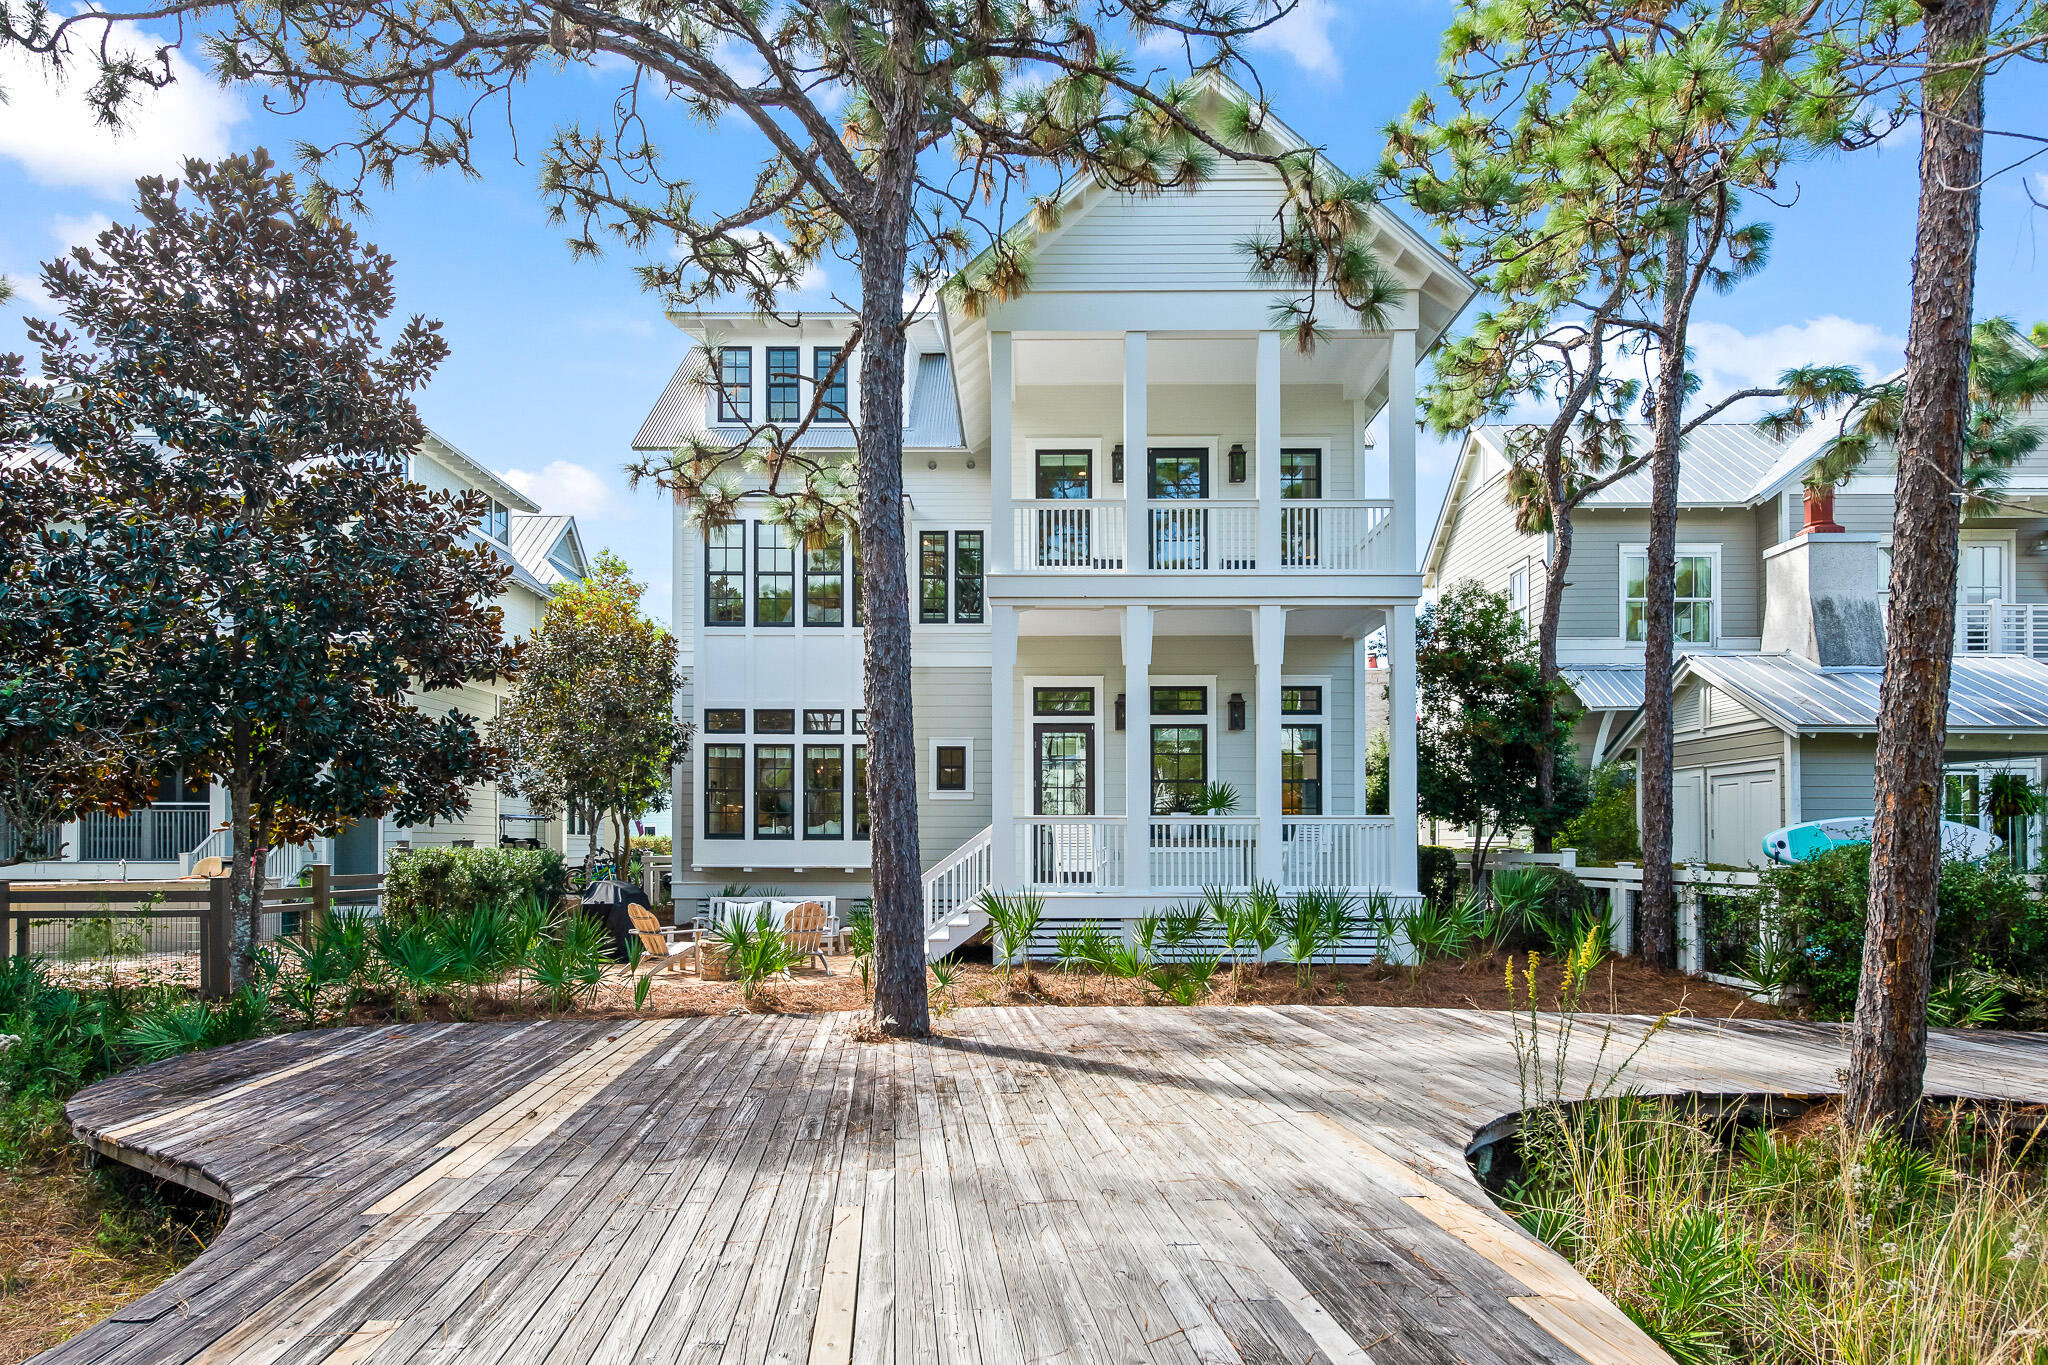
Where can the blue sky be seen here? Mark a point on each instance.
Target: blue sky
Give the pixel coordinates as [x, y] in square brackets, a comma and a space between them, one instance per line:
[555, 361]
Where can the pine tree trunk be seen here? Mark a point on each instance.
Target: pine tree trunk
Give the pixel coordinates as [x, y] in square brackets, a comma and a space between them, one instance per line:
[1546, 637]
[1888, 1057]
[245, 883]
[901, 1008]
[1659, 905]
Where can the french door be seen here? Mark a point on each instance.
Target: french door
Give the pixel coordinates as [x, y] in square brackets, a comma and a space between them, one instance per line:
[1179, 535]
[1063, 784]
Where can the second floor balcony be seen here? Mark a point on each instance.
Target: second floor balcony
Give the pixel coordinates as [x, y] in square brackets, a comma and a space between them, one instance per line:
[1212, 536]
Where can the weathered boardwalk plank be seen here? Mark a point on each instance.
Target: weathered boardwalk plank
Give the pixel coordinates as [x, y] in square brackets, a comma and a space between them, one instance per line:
[1035, 1187]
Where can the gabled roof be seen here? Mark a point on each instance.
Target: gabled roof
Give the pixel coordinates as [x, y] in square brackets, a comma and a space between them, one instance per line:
[443, 450]
[535, 541]
[1988, 693]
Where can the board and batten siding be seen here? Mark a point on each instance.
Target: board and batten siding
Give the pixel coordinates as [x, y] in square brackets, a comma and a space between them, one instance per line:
[950, 703]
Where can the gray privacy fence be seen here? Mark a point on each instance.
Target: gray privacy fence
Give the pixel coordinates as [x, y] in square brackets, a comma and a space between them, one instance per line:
[166, 924]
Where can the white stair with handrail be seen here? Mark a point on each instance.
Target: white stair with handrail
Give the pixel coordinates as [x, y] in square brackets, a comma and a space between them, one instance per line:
[952, 896]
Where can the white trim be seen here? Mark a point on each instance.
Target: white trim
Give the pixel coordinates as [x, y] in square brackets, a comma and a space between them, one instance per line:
[1031, 720]
[1325, 721]
[1711, 550]
[2010, 540]
[1322, 445]
[932, 788]
[1098, 465]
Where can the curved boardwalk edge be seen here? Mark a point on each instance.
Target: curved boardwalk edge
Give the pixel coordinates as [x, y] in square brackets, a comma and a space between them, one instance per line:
[1073, 1185]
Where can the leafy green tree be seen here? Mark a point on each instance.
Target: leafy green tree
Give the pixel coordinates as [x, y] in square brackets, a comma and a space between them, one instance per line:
[1605, 830]
[901, 137]
[1487, 720]
[591, 725]
[250, 583]
[1592, 173]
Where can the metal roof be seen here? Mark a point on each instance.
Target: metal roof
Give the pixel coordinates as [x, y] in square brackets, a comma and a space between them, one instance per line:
[2004, 693]
[533, 542]
[1720, 465]
[1606, 687]
[931, 413]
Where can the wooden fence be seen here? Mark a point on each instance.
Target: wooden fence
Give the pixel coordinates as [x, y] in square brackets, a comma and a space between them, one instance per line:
[73, 920]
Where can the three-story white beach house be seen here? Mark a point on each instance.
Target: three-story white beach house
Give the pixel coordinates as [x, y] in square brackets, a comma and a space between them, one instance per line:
[1152, 546]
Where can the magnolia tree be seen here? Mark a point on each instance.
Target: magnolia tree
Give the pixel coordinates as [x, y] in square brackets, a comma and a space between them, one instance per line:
[248, 584]
[591, 726]
[900, 137]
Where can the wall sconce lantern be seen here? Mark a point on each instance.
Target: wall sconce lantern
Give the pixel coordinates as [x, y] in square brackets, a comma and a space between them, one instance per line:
[1119, 710]
[1116, 464]
[1236, 463]
[1237, 710]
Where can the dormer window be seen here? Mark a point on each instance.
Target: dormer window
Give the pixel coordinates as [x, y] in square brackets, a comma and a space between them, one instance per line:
[496, 522]
[736, 384]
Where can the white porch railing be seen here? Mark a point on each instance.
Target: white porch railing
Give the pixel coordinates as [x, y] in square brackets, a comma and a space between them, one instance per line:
[1203, 536]
[2003, 628]
[953, 885]
[1077, 535]
[1343, 852]
[1335, 537]
[1190, 852]
[1070, 852]
[149, 834]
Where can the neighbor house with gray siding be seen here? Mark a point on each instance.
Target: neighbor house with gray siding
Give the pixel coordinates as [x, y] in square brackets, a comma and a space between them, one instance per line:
[1780, 629]
[1153, 554]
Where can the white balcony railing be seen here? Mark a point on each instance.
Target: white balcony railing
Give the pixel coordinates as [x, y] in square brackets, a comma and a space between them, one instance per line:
[1190, 852]
[1203, 536]
[2003, 628]
[152, 834]
[1342, 852]
[1071, 535]
[1074, 853]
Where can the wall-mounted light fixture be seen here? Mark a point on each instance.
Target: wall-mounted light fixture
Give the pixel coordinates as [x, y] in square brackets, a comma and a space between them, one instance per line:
[1237, 710]
[1236, 463]
[1116, 464]
[931, 464]
[1119, 710]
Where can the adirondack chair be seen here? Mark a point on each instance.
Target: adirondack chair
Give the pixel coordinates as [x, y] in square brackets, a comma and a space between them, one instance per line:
[662, 945]
[803, 929]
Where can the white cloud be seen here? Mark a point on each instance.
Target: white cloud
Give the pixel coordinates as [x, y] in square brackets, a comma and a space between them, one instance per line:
[51, 132]
[565, 487]
[1304, 35]
[1727, 358]
[79, 229]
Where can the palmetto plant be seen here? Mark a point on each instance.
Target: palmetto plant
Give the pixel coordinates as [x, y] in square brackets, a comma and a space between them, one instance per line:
[568, 962]
[1186, 981]
[414, 958]
[1015, 917]
[754, 951]
[1316, 922]
[860, 940]
[1081, 945]
[1444, 929]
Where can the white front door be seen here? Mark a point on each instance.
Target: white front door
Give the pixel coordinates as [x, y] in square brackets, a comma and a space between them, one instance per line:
[1741, 809]
[1688, 817]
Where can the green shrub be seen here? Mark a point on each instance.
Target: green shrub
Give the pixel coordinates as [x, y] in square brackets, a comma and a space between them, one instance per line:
[1605, 831]
[439, 881]
[1437, 870]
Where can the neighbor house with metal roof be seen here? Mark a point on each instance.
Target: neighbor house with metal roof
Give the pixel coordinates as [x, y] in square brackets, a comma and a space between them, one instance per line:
[1780, 625]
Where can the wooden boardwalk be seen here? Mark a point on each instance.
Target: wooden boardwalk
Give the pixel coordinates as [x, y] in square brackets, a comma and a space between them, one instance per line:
[1269, 1186]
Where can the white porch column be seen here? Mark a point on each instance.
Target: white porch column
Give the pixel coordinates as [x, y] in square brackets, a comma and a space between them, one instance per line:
[1137, 465]
[1001, 481]
[1266, 449]
[1401, 446]
[1137, 743]
[1361, 739]
[1269, 643]
[1401, 745]
[1002, 747]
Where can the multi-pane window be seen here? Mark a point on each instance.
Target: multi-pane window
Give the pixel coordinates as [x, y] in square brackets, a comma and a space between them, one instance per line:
[736, 384]
[1297, 700]
[931, 576]
[831, 384]
[1063, 474]
[824, 579]
[860, 722]
[725, 574]
[1180, 701]
[860, 791]
[1301, 473]
[1692, 617]
[824, 722]
[774, 791]
[775, 722]
[1062, 701]
[967, 577]
[731, 721]
[824, 792]
[496, 521]
[949, 767]
[1180, 767]
[1518, 594]
[774, 575]
[725, 791]
[785, 384]
[1301, 770]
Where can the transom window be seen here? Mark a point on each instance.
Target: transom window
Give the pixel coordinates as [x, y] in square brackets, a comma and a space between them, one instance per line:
[736, 384]
[1692, 619]
[775, 722]
[1301, 473]
[1180, 701]
[824, 722]
[1301, 701]
[1062, 701]
[731, 721]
